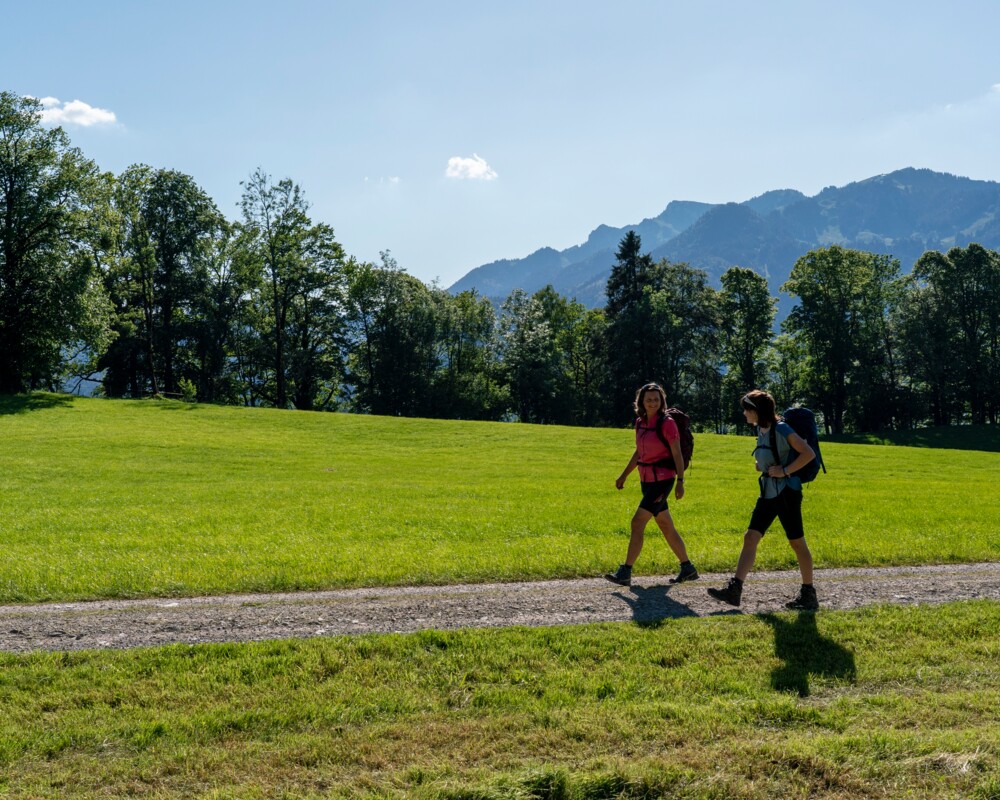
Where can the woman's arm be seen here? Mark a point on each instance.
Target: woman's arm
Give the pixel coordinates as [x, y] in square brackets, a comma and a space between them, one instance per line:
[675, 450]
[805, 455]
[620, 483]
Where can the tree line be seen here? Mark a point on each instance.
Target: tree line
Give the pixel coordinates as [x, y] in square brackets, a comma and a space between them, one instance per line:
[138, 283]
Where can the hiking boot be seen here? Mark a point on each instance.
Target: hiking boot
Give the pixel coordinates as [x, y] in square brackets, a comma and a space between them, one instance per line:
[806, 600]
[731, 593]
[622, 576]
[688, 573]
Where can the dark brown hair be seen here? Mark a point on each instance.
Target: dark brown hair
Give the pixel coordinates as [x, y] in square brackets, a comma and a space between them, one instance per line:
[761, 402]
[640, 410]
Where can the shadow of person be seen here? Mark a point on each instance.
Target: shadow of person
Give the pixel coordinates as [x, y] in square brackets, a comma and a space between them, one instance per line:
[804, 652]
[653, 604]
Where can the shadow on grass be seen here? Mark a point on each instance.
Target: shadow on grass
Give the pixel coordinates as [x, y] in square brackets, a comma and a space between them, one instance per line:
[806, 652]
[24, 403]
[985, 438]
[171, 404]
[651, 605]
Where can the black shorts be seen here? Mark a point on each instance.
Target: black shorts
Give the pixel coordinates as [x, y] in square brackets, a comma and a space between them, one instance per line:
[654, 495]
[787, 507]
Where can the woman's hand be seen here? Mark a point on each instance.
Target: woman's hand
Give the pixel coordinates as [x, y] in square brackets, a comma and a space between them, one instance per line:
[620, 483]
[774, 471]
[679, 489]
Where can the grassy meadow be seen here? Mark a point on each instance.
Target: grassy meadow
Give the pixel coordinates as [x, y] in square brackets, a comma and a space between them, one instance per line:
[884, 702]
[103, 499]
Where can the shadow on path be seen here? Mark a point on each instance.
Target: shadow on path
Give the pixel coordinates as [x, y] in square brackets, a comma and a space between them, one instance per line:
[651, 605]
[806, 652]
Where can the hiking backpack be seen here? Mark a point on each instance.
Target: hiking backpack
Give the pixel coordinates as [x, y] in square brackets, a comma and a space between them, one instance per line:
[683, 422]
[803, 422]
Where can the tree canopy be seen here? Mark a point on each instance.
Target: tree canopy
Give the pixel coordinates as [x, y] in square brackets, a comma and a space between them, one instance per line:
[51, 305]
[139, 284]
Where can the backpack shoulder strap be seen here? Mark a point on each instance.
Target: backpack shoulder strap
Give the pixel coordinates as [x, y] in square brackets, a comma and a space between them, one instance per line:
[774, 443]
[660, 433]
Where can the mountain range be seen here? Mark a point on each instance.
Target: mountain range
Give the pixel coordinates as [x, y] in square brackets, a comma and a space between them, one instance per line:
[903, 214]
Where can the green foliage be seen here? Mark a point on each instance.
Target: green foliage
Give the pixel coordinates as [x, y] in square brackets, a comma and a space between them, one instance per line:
[52, 308]
[747, 317]
[530, 359]
[294, 353]
[629, 275]
[845, 301]
[467, 384]
[952, 322]
[394, 322]
[663, 326]
[138, 283]
[164, 237]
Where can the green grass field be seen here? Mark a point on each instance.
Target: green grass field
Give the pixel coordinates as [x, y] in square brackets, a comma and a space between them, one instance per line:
[122, 499]
[880, 703]
[106, 499]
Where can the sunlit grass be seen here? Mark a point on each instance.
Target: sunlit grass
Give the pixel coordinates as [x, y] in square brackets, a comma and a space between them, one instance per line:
[104, 499]
[885, 702]
[116, 499]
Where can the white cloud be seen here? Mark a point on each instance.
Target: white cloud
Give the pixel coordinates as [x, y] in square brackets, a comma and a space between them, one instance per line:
[75, 112]
[475, 169]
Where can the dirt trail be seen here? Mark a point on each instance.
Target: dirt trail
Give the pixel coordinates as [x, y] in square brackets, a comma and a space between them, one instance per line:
[259, 617]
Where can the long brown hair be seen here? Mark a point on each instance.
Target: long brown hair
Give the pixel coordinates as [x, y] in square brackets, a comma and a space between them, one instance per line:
[763, 404]
[640, 409]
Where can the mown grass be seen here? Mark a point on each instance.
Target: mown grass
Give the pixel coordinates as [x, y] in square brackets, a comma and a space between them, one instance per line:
[884, 702]
[121, 499]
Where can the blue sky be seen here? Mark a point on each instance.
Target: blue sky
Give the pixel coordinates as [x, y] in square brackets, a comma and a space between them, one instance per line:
[454, 134]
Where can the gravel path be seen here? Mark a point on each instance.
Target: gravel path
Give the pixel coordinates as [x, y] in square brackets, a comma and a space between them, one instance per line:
[259, 617]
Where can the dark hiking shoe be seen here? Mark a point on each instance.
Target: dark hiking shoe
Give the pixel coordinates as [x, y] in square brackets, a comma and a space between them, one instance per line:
[731, 593]
[688, 573]
[806, 600]
[622, 576]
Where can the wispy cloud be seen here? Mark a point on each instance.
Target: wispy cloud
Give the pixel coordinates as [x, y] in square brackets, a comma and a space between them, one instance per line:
[74, 112]
[473, 169]
[984, 100]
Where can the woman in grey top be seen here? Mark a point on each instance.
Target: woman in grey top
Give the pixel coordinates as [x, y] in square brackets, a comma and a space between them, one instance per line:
[780, 452]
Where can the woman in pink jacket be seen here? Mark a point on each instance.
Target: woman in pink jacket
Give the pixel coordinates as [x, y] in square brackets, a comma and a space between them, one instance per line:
[661, 468]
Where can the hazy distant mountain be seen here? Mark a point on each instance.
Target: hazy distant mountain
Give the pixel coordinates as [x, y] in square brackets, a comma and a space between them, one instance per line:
[578, 264]
[904, 214]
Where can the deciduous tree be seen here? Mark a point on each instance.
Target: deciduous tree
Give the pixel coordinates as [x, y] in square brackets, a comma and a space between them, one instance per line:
[301, 295]
[747, 319]
[844, 302]
[167, 233]
[51, 300]
[963, 287]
